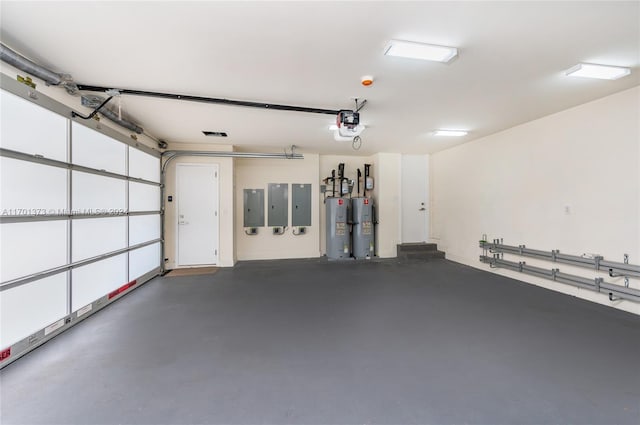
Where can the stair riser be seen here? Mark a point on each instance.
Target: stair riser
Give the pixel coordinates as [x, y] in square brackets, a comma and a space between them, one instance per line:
[422, 256]
[418, 248]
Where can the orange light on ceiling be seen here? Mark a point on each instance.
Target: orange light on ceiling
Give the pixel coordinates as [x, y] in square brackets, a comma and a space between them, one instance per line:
[367, 80]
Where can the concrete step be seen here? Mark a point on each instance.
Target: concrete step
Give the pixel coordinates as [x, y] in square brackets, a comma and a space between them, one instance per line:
[417, 247]
[425, 255]
[419, 251]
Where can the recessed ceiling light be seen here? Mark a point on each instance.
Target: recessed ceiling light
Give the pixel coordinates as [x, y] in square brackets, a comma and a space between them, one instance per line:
[450, 133]
[602, 72]
[413, 50]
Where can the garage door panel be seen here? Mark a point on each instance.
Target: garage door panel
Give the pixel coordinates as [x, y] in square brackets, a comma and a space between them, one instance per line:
[143, 197]
[96, 150]
[19, 132]
[32, 247]
[28, 308]
[27, 188]
[95, 280]
[143, 260]
[144, 166]
[96, 236]
[144, 228]
[98, 194]
[57, 217]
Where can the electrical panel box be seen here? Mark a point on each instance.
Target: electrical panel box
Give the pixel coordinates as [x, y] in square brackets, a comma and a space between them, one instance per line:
[300, 205]
[278, 214]
[253, 207]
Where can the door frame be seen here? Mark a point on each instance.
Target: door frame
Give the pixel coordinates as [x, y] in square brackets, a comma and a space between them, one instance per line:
[216, 167]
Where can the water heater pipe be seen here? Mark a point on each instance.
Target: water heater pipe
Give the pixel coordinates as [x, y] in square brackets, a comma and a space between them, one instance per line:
[366, 176]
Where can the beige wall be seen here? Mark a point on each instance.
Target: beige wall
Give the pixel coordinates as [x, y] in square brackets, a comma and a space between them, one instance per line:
[257, 174]
[226, 242]
[518, 184]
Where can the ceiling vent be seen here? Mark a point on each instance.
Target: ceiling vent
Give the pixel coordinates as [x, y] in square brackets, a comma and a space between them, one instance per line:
[215, 133]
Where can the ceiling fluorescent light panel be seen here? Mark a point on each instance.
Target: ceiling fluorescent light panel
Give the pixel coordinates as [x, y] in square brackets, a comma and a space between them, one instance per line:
[450, 133]
[413, 50]
[601, 72]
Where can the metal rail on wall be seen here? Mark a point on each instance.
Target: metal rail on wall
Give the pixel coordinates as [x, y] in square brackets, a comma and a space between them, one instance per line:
[596, 262]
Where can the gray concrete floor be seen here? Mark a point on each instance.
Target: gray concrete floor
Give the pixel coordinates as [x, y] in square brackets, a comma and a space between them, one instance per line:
[310, 342]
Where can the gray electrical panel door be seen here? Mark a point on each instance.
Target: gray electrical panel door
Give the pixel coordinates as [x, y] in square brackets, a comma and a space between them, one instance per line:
[300, 204]
[278, 204]
[253, 207]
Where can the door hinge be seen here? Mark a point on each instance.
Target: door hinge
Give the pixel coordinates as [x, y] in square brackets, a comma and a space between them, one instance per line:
[216, 252]
[215, 174]
[216, 213]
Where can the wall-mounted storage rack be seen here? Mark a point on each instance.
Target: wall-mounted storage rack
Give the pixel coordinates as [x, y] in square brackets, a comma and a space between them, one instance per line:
[595, 262]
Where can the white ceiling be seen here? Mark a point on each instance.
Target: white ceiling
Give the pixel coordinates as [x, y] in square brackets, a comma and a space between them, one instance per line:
[510, 69]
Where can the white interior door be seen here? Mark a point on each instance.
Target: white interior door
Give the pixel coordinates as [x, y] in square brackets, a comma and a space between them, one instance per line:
[415, 198]
[197, 202]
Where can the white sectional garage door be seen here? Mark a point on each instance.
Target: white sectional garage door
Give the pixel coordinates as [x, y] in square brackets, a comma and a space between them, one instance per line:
[80, 216]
